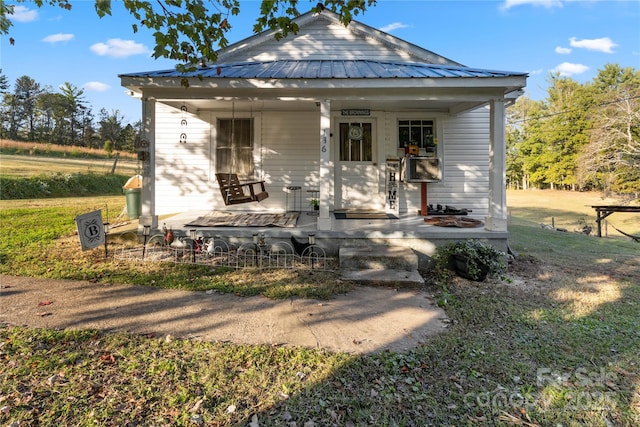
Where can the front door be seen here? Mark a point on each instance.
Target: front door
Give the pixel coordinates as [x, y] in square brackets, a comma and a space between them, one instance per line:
[357, 180]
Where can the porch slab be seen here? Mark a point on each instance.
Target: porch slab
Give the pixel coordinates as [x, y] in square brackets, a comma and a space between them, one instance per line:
[408, 231]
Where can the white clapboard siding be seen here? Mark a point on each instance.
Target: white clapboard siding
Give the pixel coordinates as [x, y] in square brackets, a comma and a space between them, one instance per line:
[290, 153]
[287, 153]
[182, 170]
[465, 166]
[322, 39]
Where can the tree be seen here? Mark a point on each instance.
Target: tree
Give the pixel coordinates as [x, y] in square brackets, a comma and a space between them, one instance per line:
[75, 107]
[4, 83]
[518, 128]
[4, 90]
[567, 130]
[611, 160]
[188, 31]
[110, 127]
[22, 107]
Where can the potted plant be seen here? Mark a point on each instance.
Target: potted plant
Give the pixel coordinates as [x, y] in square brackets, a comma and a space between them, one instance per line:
[470, 259]
[430, 146]
[316, 204]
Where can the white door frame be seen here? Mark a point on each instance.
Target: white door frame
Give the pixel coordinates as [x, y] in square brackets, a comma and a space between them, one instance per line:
[370, 198]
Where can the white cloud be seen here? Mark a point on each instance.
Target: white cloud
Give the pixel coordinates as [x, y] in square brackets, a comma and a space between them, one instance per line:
[393, 26]
[508, 4]
[23, 14]
[567, 69]
[55, 38]
[563, 50]
[603, 44]
[96, 86]
[118, 48]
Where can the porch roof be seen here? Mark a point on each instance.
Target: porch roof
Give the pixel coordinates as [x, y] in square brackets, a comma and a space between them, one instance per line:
[327, 69]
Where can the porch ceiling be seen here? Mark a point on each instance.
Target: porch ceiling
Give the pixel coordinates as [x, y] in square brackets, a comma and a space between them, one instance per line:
[310, 105]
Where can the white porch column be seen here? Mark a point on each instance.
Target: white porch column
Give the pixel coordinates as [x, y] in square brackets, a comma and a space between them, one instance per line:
[326, 175]
[148, 152]
[497, 218]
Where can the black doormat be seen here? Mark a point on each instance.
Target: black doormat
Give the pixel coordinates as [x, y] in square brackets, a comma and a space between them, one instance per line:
[364, 215]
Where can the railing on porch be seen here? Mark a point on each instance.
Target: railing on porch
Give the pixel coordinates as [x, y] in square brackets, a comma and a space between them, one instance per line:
[215, 252]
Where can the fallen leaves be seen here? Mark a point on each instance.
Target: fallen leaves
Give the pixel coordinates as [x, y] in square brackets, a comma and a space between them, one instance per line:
[108, 358]
[44, 304]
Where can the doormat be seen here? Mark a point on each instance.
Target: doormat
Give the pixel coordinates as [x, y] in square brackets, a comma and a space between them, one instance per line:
[364, 215]
[229, 219]
[453, 221]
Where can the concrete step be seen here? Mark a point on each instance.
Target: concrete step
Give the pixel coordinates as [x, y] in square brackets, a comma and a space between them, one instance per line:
[391, 278]
[378, 258]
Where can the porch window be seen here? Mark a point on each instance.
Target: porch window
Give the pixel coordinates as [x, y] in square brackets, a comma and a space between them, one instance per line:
[416, 132]
[234, 148]
[356, 146]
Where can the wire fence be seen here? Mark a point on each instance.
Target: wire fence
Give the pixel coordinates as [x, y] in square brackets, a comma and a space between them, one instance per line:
[216, 252]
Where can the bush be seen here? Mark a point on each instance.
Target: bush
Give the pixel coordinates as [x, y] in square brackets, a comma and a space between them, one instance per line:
[61, 185]
[470, 259]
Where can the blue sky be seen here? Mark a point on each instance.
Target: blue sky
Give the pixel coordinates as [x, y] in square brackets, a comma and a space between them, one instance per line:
[573, 37]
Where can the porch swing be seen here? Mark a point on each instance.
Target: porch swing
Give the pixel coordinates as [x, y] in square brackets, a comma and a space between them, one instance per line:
[233, 192]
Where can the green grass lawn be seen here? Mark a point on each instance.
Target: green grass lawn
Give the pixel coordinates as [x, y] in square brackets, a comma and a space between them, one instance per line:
[555, 342]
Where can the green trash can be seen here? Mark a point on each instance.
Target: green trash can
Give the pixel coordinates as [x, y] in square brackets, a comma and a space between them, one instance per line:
[134, 202]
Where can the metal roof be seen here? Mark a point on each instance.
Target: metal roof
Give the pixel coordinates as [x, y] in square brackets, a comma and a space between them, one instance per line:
[328, 69]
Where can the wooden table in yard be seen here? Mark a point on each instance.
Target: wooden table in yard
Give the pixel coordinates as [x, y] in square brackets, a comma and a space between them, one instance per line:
[604, 211]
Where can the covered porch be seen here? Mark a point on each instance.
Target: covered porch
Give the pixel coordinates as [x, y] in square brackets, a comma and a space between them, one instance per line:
[409, 230]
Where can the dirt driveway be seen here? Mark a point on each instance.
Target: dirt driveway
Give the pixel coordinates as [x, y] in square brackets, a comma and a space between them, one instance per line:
[366, 320]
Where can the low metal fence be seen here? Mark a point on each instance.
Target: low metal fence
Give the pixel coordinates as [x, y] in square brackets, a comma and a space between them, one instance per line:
[216, 252]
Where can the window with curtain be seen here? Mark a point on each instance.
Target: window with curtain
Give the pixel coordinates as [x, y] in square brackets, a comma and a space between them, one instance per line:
[234, 147]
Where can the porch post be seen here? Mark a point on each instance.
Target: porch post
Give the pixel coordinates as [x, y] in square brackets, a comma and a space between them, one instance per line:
[326, 177]
[497, 218]
[147, 155]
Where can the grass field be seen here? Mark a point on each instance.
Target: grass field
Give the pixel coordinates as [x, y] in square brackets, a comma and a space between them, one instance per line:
[553, 343]
[26, 166]
[25, 177]
[569, 210]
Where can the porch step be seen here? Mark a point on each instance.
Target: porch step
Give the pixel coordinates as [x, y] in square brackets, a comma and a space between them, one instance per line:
[378, 258]
[380, 265]
[395, 278]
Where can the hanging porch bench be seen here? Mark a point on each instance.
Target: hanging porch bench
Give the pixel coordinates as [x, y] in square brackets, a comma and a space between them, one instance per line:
[233, 192]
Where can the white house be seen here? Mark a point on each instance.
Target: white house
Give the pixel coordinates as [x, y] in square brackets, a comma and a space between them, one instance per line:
[331, 109]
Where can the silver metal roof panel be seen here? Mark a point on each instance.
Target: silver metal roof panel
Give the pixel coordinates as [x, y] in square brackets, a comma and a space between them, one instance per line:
[327, 69]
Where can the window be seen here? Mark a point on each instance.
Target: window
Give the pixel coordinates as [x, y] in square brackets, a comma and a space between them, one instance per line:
[234, 148]
[416, 132]
[356, 146]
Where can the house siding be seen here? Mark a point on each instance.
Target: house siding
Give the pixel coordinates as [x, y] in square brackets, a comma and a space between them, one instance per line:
[287, 153]
[323, 39]
[290, 153]
[464, 154]
[182, 169]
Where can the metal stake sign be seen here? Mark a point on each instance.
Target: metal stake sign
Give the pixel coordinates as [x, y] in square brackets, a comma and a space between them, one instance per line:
[90, 229]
